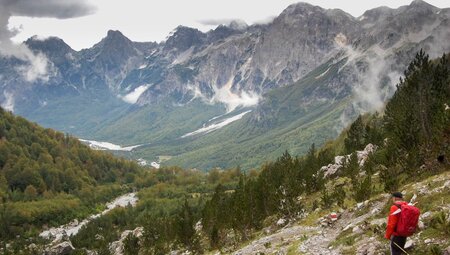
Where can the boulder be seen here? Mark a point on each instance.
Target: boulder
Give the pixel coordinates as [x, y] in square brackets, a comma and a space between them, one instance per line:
[348, 227]
[60, 249]
[359, 205]
[116, 248]
[357, 230]
[421, 225]
[32, 247]
[425, 215]
[281, 222]
[375, 211]
[198, 226]
[409, 244]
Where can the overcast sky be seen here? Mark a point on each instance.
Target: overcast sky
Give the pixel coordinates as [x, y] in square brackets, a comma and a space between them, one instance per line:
[145, 20]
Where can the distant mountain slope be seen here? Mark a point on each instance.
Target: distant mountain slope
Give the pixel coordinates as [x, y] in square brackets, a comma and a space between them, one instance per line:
[133, 93]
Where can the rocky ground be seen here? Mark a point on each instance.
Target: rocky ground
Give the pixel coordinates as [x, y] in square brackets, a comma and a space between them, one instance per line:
[314, 240]
[358, 224]
[59, 236]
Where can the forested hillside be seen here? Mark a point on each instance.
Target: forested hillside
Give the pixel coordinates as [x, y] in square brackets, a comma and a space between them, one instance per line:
[47, 177]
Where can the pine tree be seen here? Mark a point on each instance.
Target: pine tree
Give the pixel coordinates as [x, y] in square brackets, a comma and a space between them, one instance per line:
[415, 117]
[363, 190]
[351, 168]
[185, 228]
[131, 245]
[355, 136]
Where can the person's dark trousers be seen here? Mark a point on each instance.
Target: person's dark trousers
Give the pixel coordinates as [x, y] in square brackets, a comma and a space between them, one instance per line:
[400, 241]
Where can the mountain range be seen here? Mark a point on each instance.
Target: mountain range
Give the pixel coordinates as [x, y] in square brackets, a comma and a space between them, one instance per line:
[235, 95]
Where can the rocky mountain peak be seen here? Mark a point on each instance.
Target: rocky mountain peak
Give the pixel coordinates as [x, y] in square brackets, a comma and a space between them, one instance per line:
[300, 9]
[304, 13]
[376, 14]
[115, 38]
[419, 6]
[115, 46]
[182, 38]
[420, 3]
[51, 46]
[223, 31]
[114, 33]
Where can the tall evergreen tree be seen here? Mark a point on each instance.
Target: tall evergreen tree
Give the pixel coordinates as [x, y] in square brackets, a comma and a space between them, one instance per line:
[356, 134]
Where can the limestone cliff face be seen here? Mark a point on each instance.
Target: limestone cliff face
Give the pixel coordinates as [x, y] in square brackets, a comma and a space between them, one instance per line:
[233, 59]
[260, 58]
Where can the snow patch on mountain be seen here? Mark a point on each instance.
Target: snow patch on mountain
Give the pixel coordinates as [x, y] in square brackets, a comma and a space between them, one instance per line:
[216, 126]
[322, 74]
[108, 146]
[132, 97]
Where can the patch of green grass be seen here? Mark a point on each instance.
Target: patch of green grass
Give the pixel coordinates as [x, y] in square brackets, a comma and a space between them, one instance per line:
[432, 249]
[345, 238]
[312, 218]
[348, 251]
[364, 210]
[440, 222]
[430, 233]
[293, 249]
[433, 201]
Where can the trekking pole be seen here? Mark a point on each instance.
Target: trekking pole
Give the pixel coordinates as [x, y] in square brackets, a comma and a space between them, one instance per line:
[400, 248]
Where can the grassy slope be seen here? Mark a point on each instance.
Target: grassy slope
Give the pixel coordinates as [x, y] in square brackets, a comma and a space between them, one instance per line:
[158, 123]
[293, 123]
[76, 114]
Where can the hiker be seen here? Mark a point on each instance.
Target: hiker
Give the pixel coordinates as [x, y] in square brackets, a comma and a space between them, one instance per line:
[402, 222]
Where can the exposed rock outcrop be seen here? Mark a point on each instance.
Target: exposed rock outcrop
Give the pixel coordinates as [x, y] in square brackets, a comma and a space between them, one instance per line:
[339, 160]
[63, 248]
[117, 247]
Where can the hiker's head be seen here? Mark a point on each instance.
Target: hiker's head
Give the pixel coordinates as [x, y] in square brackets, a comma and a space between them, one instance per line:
[397, 196]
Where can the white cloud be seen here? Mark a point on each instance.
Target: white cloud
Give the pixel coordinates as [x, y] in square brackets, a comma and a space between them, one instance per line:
[8, 104]
[225, 96]
[369, 91]
[37, 67]
[232, 100]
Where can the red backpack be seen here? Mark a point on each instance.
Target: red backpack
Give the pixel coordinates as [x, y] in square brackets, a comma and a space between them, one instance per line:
[408, 219]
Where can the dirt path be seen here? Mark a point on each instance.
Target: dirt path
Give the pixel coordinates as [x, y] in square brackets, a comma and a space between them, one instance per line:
[320, 243]
[317, 240]
[277, 243]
